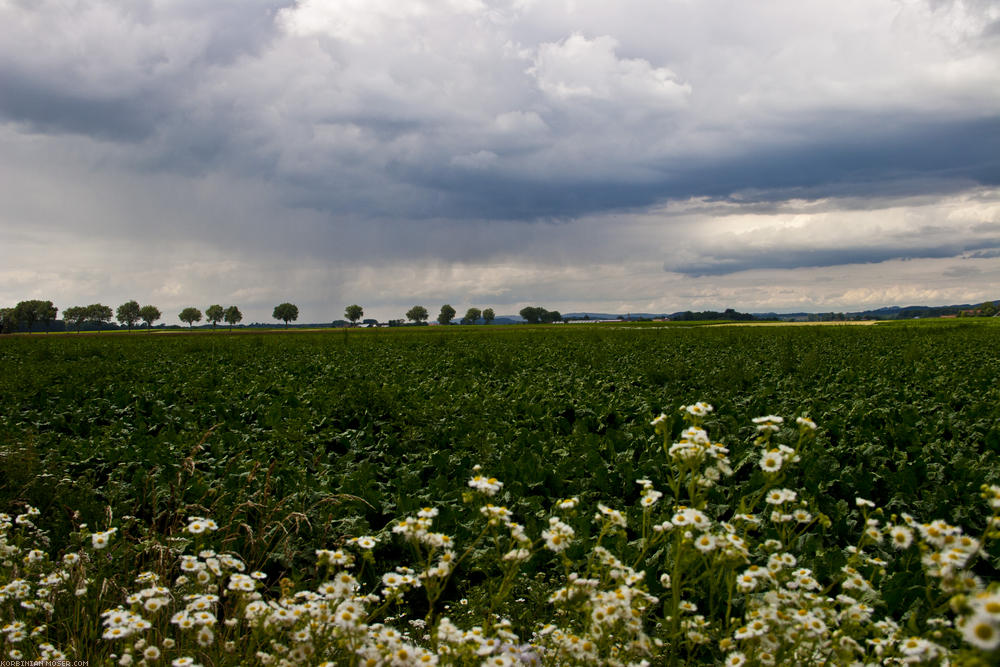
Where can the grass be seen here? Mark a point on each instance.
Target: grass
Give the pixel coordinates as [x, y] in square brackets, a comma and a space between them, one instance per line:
[293, 441]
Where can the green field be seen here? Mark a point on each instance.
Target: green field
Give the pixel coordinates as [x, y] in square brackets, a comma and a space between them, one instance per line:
[292, 442]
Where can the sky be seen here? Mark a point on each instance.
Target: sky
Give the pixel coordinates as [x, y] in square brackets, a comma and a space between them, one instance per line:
[581, 155]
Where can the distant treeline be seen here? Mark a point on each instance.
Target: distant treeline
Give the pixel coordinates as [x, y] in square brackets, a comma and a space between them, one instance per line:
[727, 314]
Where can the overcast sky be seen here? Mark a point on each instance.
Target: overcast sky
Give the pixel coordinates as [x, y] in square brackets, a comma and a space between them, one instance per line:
[627, 156]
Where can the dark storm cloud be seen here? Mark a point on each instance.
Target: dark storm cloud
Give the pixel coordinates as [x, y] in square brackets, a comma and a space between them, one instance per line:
[912, 157]
[44, 108]
[797, 257]
[126, 70]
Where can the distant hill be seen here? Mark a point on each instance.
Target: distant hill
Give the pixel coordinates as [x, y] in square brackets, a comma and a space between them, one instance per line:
[884, 313]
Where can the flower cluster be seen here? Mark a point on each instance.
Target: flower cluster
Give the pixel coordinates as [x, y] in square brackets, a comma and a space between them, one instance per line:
[674, 578]
[488, 485]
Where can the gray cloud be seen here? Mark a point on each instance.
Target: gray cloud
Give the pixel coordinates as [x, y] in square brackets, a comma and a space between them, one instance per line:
[409, 135]
[44, 109]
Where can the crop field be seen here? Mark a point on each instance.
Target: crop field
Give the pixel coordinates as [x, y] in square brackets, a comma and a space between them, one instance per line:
[299, 456]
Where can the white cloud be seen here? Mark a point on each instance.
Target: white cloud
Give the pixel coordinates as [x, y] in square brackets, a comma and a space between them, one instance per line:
[578, 68]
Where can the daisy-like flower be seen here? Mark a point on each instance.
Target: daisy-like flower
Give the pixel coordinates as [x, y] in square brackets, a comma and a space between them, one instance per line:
[650, 496]
[557, 537]
[242, 583]
[746, 582]
[992, 495]
[695, 435]
[487, 485]
[366, 542]
[806, 423]
[735, 659]
[987, 603]
[780, 496]
[771, 461]
[901, 537]
[567, 503]
[102, 539]
[154, 604]
[705, 543]
[699, 409]
[323, 557]
[613, 516]
[768, 423]
[197, 525]
[114, 632]
[205, 636]
[659, 424]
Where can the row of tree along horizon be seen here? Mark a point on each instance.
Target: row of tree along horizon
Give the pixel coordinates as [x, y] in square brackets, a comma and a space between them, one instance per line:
[37, 315]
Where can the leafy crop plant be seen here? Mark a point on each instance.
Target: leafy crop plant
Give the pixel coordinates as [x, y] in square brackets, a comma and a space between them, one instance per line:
[698, 571]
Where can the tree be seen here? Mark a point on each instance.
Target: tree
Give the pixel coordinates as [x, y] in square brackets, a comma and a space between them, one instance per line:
[536, 314]
[354, 313]
[417, 314]
[531, 314]
[214, 314]
[7, 322]
[149, 314]
[46, 313]
[446, 315]
[488, 316]
[190, 315]
[288, 312]
[549, 316]
[99, 314]
[232, 316]
[76, 315]
[471, 315]
[128, 313]
[24, 313]
[29, 312]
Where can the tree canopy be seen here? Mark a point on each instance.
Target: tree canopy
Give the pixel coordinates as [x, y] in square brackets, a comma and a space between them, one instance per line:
[488, 315]
[75, 315]
[99, 314]
[354, 313]
[472, 315]
[446, 315]
[29, 312]
[287, 312]
[417, 314]
[232, 316]
[214, 314]
[46, 313]
[149, 314]
[128, 313]
[536, 314]
[190, 315]
[7, 321]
